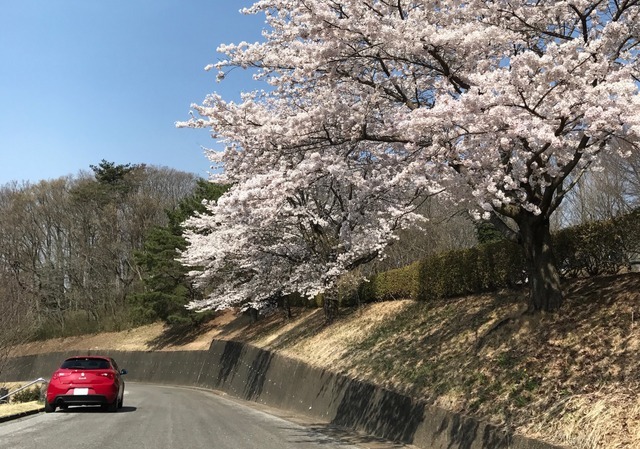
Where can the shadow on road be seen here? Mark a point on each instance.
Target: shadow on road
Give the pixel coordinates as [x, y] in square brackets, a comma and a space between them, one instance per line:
[95, 409]
[321, 433]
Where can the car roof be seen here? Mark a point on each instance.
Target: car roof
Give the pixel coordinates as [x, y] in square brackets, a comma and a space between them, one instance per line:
[99, 357]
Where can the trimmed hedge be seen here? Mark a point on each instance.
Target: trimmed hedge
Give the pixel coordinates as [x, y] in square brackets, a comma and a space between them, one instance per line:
[587, 250]
[603, 247]
[400, 283]
[483, 268]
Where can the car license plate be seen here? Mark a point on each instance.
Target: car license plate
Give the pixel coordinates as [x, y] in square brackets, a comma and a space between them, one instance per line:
[81, 391]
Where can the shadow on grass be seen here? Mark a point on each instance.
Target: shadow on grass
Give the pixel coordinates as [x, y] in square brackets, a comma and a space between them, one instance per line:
[177, 335]
[183, 334]
[307, 323]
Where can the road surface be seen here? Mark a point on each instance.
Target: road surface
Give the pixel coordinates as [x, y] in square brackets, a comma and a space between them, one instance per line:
[163, 417]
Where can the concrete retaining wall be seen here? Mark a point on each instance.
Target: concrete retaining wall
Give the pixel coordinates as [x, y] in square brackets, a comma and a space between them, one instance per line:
[253, 374]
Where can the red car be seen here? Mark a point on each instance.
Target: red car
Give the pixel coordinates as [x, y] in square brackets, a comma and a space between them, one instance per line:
[86, 380]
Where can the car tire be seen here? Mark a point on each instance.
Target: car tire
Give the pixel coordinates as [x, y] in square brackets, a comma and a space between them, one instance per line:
[49, 408]
[113, 407]
[121, 402]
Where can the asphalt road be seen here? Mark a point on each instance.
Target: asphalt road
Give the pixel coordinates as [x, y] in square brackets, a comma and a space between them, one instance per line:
[159, 417]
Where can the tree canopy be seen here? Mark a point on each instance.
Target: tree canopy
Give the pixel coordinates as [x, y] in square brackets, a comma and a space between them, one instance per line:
[372, 106]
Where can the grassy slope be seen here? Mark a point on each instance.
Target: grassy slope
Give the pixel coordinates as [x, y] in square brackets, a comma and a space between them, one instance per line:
[13, 408]
[568, 378]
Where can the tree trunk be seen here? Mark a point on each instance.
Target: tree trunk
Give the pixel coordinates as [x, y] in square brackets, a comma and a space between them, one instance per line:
[287, 307]
[545, 292]
[253, 314]
[330, 306]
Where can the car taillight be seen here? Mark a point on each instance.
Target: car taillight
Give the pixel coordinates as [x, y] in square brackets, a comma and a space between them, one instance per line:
[107, 375]
[55, 376]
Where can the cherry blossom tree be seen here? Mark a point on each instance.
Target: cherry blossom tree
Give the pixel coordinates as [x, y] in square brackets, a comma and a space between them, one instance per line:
[505, 103]
[297, 228]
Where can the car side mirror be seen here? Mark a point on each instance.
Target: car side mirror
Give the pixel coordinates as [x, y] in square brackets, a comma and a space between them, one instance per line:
[123, 371]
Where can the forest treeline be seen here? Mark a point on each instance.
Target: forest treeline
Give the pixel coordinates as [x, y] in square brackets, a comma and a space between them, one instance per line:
[72, 250]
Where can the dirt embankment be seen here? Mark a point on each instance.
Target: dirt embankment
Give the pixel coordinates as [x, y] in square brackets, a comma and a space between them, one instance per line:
[568, 378]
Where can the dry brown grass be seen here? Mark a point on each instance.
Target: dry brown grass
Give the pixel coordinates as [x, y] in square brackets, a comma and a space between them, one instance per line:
[569, 378]
[603, 419]
[13, 409]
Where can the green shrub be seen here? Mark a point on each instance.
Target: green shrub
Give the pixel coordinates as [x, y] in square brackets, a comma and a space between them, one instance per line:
[400, 283]
[483, 268]
[27, 395]
[587, 250]
[597, 248]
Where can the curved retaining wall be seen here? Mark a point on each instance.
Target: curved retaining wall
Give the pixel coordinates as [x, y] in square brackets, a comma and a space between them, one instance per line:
[257, 375]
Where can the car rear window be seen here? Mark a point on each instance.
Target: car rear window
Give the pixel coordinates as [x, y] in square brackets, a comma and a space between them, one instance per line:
[85, 363]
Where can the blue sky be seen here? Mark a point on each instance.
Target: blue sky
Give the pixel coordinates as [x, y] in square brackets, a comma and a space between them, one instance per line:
[86, 80]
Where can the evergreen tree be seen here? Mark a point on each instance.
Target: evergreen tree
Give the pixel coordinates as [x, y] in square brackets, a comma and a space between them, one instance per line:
[167, 289]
